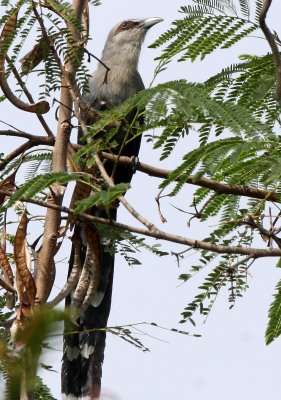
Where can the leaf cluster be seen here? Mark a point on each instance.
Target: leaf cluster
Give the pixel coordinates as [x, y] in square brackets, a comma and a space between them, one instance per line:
[207, 26]
[243, 155]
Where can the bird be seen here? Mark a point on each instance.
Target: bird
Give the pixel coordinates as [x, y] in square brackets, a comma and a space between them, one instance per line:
[84, 351]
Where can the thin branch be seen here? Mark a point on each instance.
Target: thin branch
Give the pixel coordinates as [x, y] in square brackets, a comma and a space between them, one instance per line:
[179, 255]
[233, 267]
[101, 62]
[30, 98]
[122, 200]
[6, 285]
[157, 199]
[272, 43]
[15, 153]
[32, 142]
[159, 234]
[218, 187]
[33, 138]
[266, 234]
[10, 125]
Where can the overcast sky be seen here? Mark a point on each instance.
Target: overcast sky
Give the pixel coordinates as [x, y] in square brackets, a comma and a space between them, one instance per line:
[230, 360]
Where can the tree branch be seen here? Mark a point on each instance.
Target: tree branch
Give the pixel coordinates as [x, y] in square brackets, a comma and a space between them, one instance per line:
[6, 285]
[32, 142]
[218, 187]
[233, 267]
[15, 153]
[44, 280]
[48, 141]
[160, 234]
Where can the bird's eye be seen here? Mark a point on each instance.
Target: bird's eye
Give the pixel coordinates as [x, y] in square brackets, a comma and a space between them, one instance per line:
[125, 25]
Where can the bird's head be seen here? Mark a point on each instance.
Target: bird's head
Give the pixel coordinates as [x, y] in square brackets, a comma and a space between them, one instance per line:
[133, 29]
[125, 39]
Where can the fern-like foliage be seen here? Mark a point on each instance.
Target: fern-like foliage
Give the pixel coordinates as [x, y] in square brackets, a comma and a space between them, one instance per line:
[232, 160]
[41, 182]
[250, 84]
[274, 315]
[245, 155]
[65, 46]
[103, 198]
[21, 32]
[41, 391]
[205, 27]
[127, 244]
[174, 106]
[34, 162]
[230, 272]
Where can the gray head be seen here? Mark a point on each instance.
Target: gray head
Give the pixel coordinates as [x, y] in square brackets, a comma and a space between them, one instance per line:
[125, 39]
[121, 54]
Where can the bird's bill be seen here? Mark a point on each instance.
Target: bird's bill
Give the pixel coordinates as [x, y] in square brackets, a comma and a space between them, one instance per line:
[149, 22]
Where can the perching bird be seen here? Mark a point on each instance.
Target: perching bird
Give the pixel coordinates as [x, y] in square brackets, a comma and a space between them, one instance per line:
[84, 352]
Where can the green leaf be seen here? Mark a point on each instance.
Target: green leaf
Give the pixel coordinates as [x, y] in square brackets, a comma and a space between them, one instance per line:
[103, 198]
[198, 35]
[273, 329]
[41, 182]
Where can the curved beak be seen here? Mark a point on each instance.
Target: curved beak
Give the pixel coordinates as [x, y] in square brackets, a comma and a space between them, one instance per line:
[149, 22]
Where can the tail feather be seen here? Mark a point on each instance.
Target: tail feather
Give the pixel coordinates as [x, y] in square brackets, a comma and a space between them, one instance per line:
[84, 350]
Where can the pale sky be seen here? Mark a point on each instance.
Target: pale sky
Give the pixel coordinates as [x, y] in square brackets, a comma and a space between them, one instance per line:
[230, 360]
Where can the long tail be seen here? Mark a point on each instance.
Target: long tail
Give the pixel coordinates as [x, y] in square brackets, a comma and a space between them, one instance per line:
[84, 350]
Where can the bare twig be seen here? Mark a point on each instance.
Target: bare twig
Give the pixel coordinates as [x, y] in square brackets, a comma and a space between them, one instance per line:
[179, 255]
[122, 200]
[30, 98]
[272, 43]
[233, 267]
[265, 234]
[6, 285]
[157, 199]
[101, 62]
[37, 140]
[199, 213]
